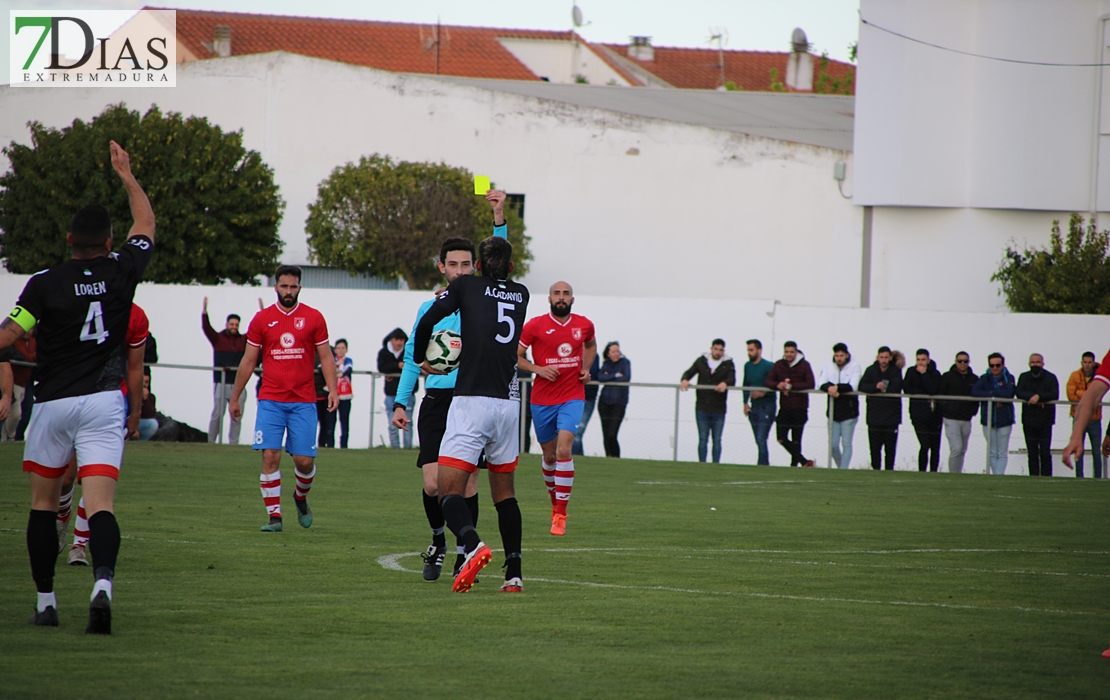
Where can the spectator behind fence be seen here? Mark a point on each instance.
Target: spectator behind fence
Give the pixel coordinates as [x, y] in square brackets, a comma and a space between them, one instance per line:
[613, 400]
[792, 374]
[839, 377]
[24, 349]
[1037, 387]
[344, 366]
[325, 419]
[884, 412]
[148, 412]
[924, 378]
[956, 415]
[997, 418]
[588, 407]
[717, 369]
[391, 361]
[1077, 386]
[228, 347]
[759, 406]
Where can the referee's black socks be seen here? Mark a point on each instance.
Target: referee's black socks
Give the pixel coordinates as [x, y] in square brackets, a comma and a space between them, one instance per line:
[104, 544]
[509, 520]
[435, 518]
[42, 546]
[457, 515]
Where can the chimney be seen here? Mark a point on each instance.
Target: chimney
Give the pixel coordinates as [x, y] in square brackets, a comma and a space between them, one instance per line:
[799, 65]
[640, 48]
[221, 43]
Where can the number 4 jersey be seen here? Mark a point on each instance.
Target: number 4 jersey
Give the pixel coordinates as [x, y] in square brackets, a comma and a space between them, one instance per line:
[81, 309]
[492, 314]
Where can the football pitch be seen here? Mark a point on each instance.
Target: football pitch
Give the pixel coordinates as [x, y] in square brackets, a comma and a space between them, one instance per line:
[674, 580]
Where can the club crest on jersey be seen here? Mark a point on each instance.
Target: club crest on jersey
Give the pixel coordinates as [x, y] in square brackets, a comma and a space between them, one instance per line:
[576, 333]
[298, 323]
[287, 340]
[565, 350]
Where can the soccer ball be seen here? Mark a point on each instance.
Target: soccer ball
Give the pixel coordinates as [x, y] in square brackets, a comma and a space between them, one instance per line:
[444, 350]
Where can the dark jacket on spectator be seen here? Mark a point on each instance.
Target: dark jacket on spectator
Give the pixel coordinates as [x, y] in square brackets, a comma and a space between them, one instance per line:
[227, 350]
[801, 379]
[388, 363]
[923, 412]
[1004, 388]
[711, 400]
[1046, 387]
[619, 371]
[952, 383]
[882, 411]
[592, 389]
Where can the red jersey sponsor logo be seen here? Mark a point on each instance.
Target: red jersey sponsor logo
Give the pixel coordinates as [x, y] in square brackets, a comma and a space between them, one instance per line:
[288, 346]
[558, 345]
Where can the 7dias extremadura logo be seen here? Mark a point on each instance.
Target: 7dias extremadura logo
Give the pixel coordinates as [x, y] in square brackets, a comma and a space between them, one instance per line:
[93, 48]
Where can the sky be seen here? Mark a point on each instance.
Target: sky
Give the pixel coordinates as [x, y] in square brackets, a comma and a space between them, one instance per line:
[761, 25]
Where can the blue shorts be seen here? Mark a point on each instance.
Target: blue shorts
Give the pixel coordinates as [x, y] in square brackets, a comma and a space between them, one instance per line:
[549, 420]
[276, 418]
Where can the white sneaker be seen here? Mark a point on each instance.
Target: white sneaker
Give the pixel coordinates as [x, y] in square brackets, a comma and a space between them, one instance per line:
[77, 557]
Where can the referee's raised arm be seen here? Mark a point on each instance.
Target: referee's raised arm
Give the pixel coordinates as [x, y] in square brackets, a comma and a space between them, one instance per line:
[141, 212]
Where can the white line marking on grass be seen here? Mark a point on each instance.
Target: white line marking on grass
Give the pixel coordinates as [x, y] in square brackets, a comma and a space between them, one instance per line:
[932, 568]
[392, 563]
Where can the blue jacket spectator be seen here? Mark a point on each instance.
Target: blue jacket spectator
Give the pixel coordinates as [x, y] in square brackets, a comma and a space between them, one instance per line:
[1001, 386]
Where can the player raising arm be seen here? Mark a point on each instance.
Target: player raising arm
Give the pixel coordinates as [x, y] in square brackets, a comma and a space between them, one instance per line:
[485, 410]
[81, 309]
[291, 335]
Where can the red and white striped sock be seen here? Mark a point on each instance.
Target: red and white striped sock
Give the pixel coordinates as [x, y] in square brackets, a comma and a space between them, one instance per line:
[304, 484]
[549, 481]
[564, 481]
[271, 492]
[65, 506]
[81, 527]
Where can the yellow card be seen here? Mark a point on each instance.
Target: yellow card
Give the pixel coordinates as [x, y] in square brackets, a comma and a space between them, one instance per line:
[481, 184]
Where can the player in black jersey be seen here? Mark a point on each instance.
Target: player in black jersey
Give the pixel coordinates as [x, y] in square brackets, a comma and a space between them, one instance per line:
[81, 309]
[485, 411]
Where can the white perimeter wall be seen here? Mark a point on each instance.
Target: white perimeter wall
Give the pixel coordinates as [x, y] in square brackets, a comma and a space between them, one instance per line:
[661, 337]
[561, 61]
[699, 213]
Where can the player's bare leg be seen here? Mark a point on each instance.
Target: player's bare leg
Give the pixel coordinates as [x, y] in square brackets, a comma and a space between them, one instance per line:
[452, 485]
[558, 475]
[270, 484]
[305, 472]
[42, 545]
[99, 493]
[433, 558]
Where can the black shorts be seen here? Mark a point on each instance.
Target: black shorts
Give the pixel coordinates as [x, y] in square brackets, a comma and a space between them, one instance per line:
[431, 422]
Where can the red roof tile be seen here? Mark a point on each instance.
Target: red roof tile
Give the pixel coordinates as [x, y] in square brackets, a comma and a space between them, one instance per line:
[700, 68]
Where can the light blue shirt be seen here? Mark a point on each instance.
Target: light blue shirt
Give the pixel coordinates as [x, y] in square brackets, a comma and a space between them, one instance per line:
[411, 371]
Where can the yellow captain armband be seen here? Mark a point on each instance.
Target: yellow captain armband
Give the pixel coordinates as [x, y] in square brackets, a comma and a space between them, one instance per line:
[23, 317]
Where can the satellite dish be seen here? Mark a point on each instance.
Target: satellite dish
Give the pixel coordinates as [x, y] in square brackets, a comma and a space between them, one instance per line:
[576, 16]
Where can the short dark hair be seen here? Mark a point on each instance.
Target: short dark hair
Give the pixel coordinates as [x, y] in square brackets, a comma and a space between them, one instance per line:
[790, 344]
[287, 270]
[455, 244]
[840, 347]
[717, 341]
[397, 334]
[1089, 354]
[923, 351]
[344, 341]
[965, 353]
[496, 255]
[233, 316]
[90, 227]
[758, 345]
[994, 355]
[883, 349]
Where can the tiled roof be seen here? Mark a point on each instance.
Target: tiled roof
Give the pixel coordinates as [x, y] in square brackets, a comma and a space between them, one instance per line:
[392, 46]
[700, 68]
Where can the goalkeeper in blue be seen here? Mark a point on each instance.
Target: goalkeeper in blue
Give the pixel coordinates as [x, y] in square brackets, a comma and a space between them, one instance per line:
[456, 258]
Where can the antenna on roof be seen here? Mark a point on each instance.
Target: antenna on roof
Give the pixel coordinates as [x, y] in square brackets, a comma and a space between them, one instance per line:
[433, 43]
[719, 35]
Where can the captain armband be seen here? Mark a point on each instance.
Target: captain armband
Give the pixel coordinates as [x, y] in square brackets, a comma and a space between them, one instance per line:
[23, 317]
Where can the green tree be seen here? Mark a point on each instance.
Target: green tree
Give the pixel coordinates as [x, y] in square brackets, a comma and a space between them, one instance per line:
[828, 85]
[388, 219]
[216, 203]
[1070, 276]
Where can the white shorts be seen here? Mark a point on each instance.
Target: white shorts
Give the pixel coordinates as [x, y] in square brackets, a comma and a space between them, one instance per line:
[92, 425]
[477, 423]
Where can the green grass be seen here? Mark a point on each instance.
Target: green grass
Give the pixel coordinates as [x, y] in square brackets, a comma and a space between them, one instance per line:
[801, 584]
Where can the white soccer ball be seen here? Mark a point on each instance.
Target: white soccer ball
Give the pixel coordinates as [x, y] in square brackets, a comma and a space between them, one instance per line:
[444, 350]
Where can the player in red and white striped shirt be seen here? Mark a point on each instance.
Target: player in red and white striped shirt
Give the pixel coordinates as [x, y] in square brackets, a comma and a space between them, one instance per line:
[563, 348]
